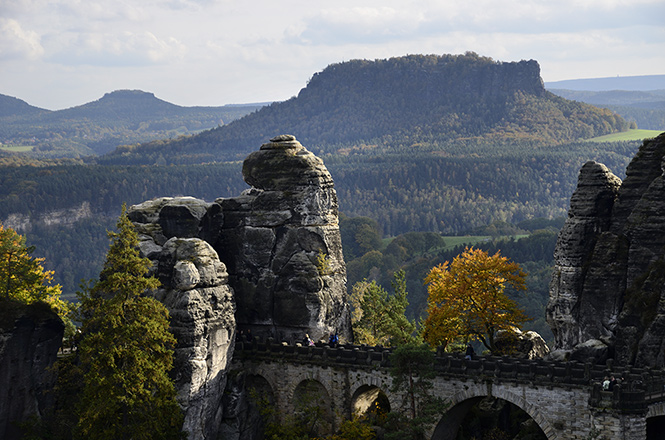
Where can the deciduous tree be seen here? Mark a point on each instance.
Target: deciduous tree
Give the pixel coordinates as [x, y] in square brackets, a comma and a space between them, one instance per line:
[22, 277]
[467, 298]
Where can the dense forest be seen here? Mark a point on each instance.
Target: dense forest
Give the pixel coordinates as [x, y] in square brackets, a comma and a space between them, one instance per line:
[529, 243]
[402, 194]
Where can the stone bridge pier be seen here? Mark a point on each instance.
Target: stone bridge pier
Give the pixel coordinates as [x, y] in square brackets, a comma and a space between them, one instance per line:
[563, 398]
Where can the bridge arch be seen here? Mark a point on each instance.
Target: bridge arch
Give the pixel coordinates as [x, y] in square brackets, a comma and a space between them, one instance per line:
[311, 401]
[261, 395]
[655, 420]
[462, 401]
[369, 399]
[261, 388]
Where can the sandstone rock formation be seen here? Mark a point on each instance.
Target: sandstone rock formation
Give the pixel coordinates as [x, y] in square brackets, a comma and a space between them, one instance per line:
[200, 302]
[281, 242]
[607, 286]
[521, 345]
[28, 348]
[268, 261]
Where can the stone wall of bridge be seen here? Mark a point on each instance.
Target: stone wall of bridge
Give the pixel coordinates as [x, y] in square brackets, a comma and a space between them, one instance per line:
[563, 398]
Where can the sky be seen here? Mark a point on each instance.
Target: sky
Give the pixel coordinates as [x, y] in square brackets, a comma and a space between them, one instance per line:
[57, 54]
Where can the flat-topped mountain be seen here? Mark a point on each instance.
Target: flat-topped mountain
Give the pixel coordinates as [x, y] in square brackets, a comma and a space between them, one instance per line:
[417, 102]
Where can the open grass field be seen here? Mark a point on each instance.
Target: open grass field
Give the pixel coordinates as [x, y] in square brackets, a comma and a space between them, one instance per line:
[17, 148]
[630, 135]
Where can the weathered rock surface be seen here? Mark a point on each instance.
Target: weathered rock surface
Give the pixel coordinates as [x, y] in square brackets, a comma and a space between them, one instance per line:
[607, 287]
[521, 345]
[200, 301]
[286, 276]
[282, 245]
[28, 348]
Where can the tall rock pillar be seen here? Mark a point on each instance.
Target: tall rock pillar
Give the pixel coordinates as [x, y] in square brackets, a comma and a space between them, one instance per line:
[281, 242]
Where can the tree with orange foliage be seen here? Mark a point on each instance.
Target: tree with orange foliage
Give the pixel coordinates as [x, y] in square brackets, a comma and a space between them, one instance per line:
[23, 278]
[467, 299]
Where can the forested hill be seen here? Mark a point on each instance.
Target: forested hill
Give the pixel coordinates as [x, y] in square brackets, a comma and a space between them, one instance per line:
[119, 117]
[14, 107]
[424, 103]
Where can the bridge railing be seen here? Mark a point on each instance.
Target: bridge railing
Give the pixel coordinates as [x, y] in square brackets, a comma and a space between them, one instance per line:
[319, 353]
[638, 387]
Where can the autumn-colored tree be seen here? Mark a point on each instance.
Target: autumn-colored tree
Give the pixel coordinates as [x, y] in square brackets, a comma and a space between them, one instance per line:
[126, 351]
[22, 277]
[467, 299]
[379, 318]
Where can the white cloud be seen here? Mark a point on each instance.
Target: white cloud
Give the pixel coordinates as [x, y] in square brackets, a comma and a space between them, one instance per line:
[211, 52]
[17, 43]
[119, 49]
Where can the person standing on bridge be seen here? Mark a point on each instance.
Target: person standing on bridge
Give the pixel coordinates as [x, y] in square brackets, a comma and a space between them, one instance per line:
[470, 352]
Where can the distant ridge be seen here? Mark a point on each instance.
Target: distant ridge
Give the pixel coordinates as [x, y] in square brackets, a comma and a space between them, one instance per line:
[10, 106]
[415, 103]
[634, 83]
[118, 117]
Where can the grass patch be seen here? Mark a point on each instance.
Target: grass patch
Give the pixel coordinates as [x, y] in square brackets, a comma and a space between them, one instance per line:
[17, 148]
[456, 240]
[630, 135]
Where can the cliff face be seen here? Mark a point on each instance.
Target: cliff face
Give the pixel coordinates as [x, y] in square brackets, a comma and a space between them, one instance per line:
[28, 348]
[268, 261]
[606, 296]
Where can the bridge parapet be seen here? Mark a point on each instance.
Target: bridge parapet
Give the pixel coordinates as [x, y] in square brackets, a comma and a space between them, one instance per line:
[639, 388]
[319, 354]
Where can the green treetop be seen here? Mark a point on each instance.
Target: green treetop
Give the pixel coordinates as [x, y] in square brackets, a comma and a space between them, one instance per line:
[379, 318]
[127, 351]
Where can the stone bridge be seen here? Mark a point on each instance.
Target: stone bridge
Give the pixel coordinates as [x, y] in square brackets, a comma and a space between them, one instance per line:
[565, 399]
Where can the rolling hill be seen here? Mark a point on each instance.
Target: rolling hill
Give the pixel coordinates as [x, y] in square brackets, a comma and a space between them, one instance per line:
[123, 116]
[645, 108]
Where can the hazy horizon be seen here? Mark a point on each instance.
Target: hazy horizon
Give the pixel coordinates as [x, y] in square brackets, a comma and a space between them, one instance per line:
[57, 54]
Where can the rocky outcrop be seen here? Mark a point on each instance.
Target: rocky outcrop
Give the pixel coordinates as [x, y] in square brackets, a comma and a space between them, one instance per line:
[607, 286]
[30, 337]
[521, 345]
[200, 302]
[281, 242]
[67, 217]
[268, 261]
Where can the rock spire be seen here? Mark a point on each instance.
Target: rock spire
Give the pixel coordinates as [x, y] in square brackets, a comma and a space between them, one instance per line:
[606, 294]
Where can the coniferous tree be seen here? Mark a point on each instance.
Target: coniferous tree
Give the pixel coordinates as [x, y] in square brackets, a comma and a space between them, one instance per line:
[379, 318]
[127, 351]
[412, 370]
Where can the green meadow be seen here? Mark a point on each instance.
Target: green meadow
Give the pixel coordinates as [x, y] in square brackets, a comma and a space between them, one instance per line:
[630, 135]
[16, 148]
